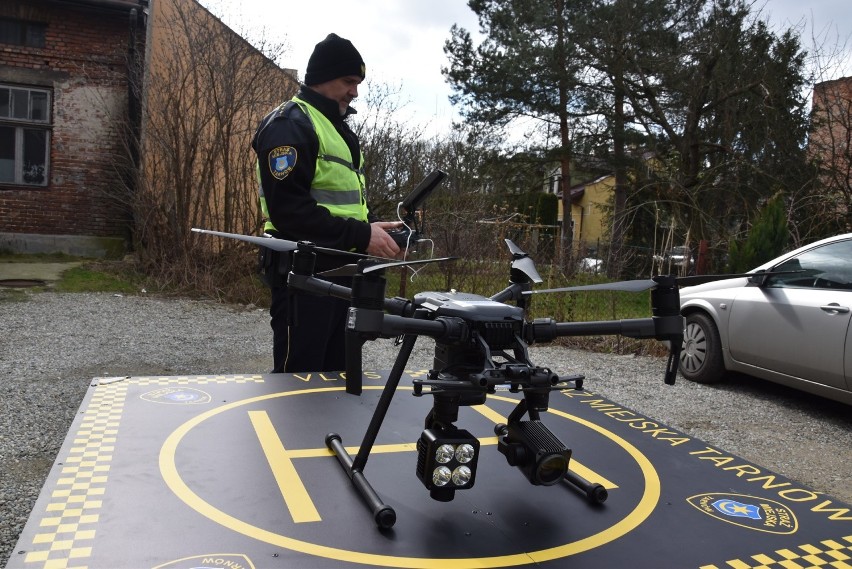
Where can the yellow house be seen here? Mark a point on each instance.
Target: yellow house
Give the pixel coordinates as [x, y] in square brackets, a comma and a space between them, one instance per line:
[589, 203]
[588, 211]
[592, 200]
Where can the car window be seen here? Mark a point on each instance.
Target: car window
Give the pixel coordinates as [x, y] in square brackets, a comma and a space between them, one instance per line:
[826, 267]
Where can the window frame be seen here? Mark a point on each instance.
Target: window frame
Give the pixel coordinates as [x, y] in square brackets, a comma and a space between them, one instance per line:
[29, 33]
[21, 125]
[813, 274]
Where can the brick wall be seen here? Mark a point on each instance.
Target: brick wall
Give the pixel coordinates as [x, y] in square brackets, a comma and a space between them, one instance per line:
[84, 65]
[829, 139]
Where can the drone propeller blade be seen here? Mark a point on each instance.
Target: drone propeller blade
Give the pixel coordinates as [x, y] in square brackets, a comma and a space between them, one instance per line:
[643, 285]
[522, 262]
[352, 270]
[282, 244]
[392, 264]
[701, 279]
[346, 253]
[526, 266]
[514, 249]
[621, 286]
[275, 244]
[342, 271]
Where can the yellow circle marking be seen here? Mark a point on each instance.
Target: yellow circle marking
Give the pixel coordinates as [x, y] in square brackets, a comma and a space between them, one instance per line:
[640, 513]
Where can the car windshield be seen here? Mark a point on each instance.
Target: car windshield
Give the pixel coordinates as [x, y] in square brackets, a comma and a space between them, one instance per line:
[828, 267]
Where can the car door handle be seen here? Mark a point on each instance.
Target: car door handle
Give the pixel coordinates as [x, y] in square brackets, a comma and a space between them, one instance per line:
[835, 308]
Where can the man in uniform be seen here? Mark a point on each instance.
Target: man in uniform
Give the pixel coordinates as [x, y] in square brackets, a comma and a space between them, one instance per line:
[311, 173]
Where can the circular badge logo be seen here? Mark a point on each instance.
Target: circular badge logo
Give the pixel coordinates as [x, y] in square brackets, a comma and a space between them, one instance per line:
[177, 396]
[752, 512]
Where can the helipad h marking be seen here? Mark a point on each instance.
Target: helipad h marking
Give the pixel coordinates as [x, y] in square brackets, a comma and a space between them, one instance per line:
[172, 477]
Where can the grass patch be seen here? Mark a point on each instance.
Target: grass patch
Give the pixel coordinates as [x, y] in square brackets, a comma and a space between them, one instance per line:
[83, 275]
[99, 277]
[13, 295]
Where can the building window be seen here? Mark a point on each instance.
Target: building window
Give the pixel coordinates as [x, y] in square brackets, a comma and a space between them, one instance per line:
[19, 32]
[24, 135]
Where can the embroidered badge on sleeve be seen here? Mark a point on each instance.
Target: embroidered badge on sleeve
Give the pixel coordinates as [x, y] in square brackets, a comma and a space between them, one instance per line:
[281, 161]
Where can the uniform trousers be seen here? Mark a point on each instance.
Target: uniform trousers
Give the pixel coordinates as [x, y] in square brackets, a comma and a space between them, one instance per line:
[317, 340]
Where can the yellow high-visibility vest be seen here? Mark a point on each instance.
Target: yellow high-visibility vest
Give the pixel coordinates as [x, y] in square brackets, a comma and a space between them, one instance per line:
[338, 185]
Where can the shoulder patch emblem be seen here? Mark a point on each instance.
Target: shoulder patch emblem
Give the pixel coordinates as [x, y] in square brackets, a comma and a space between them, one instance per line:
[281, 161]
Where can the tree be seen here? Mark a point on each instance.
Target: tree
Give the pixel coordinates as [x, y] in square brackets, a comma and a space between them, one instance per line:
[525, 67]
[393, 148]
[727, 113]
[702, 84]
[616, 38]
[205, 91]
[830, 146]
[767, 239]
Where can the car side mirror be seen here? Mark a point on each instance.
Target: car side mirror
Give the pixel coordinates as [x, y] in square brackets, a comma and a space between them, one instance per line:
[758, 278]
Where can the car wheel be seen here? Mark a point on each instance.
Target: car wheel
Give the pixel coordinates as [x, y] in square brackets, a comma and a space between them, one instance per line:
[701, 356]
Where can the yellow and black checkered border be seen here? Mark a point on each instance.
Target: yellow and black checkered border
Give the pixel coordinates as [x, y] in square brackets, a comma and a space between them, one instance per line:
[828, 553]
[68, 526]
[195, 380]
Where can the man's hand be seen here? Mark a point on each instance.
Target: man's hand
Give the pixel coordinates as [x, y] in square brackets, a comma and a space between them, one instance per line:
[381, 244]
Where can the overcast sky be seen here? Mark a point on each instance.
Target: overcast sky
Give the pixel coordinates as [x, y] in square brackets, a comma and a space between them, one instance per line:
[402, 41]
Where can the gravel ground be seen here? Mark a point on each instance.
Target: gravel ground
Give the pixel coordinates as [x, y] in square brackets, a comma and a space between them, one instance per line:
[53, 344]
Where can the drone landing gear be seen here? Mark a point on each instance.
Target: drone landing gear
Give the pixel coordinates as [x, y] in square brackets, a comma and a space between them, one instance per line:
[448, 456]
[595, 493]
[384, 515]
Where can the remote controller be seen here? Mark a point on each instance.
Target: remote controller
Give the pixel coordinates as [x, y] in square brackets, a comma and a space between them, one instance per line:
[400, 236]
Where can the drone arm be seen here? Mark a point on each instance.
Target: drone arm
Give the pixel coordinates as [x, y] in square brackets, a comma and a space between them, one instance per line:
[515, 291]
[318, 287]
[503, 295]
[668, 327]
[659, 327]
[546, 329]
[399, 306]
[375, 323]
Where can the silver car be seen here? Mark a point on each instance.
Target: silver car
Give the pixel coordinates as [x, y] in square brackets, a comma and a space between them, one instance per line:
[788, 322]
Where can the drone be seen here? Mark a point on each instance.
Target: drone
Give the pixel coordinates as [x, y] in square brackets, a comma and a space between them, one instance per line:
[481, 346]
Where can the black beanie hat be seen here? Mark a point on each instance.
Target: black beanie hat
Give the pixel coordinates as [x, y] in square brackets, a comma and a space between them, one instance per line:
[334, 57]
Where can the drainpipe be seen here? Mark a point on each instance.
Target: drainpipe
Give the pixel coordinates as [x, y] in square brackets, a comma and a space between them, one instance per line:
[135, 77]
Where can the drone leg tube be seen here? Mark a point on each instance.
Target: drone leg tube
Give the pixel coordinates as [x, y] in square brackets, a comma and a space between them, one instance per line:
[384, 515]
[595, 493]
[385, 401]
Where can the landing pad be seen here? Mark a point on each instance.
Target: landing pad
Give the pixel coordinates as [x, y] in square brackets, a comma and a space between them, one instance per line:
[232, 471]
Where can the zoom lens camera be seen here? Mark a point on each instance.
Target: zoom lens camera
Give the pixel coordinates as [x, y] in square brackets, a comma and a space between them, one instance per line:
[537, 452]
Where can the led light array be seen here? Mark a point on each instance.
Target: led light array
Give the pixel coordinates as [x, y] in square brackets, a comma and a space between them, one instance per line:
[446, 461]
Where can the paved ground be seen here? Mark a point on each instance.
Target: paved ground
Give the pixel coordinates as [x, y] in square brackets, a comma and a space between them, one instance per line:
[47, 272]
